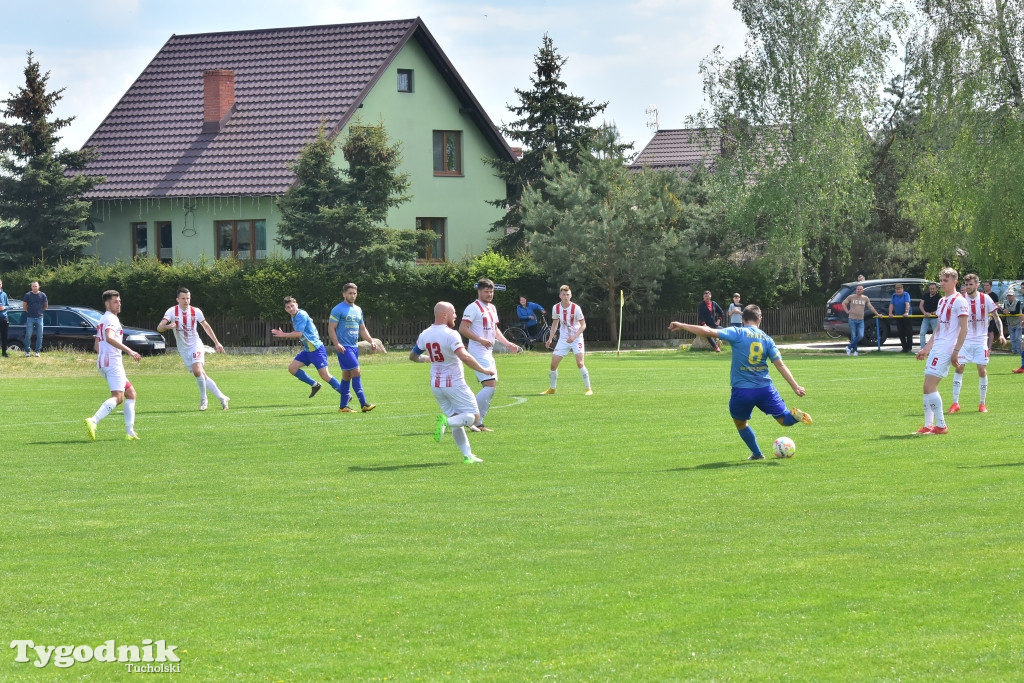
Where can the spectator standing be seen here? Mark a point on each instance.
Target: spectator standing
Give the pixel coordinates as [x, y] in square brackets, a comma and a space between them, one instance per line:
[929, 304]
[4, 322]
[1012, 308]
[899, 306]
[854, 306]
[987, 286]
[736, 312]
[527, 312]
[35, 303]
[710, 314]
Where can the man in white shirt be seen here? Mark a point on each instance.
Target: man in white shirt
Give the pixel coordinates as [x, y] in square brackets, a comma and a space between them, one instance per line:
[109, 347]
[183, 319]
[569, 324]
[441, 346]
[981, 308]
[943, 350]
[480, 327]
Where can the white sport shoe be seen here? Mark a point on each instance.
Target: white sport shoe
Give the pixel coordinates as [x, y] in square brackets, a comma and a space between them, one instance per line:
[203, 404]
[224, 402]
[36, 354]
[471, 458]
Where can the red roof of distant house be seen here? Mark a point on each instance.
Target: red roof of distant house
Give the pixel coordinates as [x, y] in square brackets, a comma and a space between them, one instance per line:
[681, 150]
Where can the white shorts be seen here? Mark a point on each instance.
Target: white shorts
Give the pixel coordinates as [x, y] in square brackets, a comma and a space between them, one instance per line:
[456, 400]
[115, 376]
[975, 352]
[193, 355]
[486, 359]
[564, 348]
[938, 363]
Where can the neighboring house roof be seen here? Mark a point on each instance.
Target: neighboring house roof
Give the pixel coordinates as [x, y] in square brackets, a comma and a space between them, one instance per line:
[680, 150]
[287, 81]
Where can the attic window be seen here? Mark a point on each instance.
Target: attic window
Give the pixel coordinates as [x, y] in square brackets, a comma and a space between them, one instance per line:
[448, 152]
[405, 80]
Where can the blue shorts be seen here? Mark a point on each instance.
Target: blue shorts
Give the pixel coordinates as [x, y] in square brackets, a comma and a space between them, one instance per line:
[349, 358]
[766, 399]
[318, 358]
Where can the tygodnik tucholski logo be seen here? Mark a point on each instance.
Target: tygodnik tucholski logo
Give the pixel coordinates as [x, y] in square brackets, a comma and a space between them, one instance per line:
[152, 656]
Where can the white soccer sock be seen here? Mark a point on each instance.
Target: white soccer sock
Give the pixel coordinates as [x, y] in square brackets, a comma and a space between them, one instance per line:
[483, 402]
[461, 440]
[212, 386]
[461, 420]
[933, 404]
[982, 388]
[201, 383]
[105, 409]
[586, 376]
[553, 378]
[129, 415]
[958, 383]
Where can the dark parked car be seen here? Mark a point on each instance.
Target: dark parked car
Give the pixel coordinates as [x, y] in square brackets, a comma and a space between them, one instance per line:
[879, 292]
[75, 326]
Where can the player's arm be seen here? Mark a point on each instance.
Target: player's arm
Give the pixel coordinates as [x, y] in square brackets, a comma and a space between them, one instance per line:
[365, 334]
[579, 332]
[416, 355]
[788, 376]
[332, 332]
[466, 330]
[111, 339]
[554, 330]
[165, 324]
[696, 330]
[281, 334]
[213, 337]
[473, 363]
[999, 326]
[508, 345]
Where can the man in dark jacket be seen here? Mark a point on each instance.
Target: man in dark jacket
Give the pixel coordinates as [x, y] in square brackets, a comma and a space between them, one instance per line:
[711, 314]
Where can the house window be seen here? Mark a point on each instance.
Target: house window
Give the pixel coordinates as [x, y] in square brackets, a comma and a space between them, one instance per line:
[447, 152]
[405, 80]
[434, 253]
[165, 236]
[140, 240]
[244, 240]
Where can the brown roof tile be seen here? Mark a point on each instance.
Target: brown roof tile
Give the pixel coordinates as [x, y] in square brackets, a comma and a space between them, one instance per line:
[681, 150]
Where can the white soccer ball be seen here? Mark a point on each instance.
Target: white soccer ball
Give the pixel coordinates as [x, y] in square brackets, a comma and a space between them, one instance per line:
[784, 447]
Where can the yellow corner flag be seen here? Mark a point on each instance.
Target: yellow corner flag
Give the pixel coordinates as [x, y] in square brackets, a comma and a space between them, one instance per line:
[622, 303]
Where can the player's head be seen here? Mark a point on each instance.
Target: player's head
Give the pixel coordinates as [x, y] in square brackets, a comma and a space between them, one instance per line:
[349, 291]
[184, 297]
[485, 289]
[564, 293]
[971, 282]
[751, 314]
[444, 314]
[112, 301]
[947, 278]
[291, 306]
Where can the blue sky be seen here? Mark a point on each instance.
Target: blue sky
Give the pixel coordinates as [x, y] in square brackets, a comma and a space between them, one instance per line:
[632, 54]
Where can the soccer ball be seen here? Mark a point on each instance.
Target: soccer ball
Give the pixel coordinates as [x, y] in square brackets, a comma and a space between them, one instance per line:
[784, 447]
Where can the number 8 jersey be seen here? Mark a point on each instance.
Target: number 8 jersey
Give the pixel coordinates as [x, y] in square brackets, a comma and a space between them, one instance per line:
[752, 350]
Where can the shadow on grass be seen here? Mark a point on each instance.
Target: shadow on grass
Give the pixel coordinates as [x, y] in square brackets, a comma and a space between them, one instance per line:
[982, 467]
[392, 468]
[721, 465]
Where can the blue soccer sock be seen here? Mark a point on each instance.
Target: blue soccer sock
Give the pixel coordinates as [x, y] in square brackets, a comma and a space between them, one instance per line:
[788, 419]
[344, 392]
[747, 434]
[357, 385]
[336, 384]
[303, 377]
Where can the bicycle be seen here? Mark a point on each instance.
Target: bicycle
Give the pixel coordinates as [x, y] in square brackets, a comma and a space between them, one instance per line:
[517, 334]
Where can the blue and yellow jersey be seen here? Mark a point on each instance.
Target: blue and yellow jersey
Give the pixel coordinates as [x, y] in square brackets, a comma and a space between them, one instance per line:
[301, 322]
[752, 350]
[348, 318]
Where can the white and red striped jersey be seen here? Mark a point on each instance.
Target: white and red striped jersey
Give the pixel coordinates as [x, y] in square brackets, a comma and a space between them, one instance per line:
[951, 309]
[439, 343]
[109, 356]
[979, 308]
[569, 318]
[483, 319]
[185, 321]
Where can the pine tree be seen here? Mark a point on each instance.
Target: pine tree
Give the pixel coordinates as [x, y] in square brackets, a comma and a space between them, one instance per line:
[41, 210]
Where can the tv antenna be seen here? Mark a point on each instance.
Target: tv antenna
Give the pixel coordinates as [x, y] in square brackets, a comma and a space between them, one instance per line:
[652, 117]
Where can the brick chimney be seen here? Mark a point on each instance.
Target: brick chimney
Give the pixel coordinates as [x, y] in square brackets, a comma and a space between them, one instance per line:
[218, 98]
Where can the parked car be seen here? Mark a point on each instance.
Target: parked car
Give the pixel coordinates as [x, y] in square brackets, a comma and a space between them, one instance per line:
[879, 292]
[75, 326]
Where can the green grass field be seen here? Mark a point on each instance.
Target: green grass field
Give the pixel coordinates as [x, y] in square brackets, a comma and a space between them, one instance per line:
[621, 536]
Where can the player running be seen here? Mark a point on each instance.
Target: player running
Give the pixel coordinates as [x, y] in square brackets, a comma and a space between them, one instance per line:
[981, 308]
[183, 318]
[480, 326]
[751, 382]
[109, 346]
[313, 351]
[943, 350]
[346, 342]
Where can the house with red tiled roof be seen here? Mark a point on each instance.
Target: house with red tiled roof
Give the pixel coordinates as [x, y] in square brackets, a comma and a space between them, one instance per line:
[197, 150]
[681, 150]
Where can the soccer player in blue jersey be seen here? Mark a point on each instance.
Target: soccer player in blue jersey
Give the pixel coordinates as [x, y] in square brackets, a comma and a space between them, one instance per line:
[751, 383]
[313, 351]
[345, 328]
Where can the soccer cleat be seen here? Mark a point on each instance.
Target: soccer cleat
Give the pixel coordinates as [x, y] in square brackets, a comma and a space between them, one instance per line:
[440, 426]
[982, 408]
[475, 428]
[756, 456]
[316, 388]
[203, 404]
[471, 458]
[801, 416]
[547, 392]
[131, 437]
[588, 392]
[345, 409]
[940, 430]
[1018, 371]
[482, 428]
[91, 426]
[368, 407]
[224, 402]
[925, 430]
[955, 408]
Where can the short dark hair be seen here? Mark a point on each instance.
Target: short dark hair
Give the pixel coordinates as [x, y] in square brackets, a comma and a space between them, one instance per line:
[751, 313]
[110, 294]
[485, 283]
[348, 285]
[289, 300]
[183, 290]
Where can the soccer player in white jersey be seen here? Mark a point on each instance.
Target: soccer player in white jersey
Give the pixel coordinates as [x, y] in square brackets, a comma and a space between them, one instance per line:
[480, 326]
[109, 347]
[441, 346]
[183, 319]
[569, 323]
[943, 350]
[980, 308]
